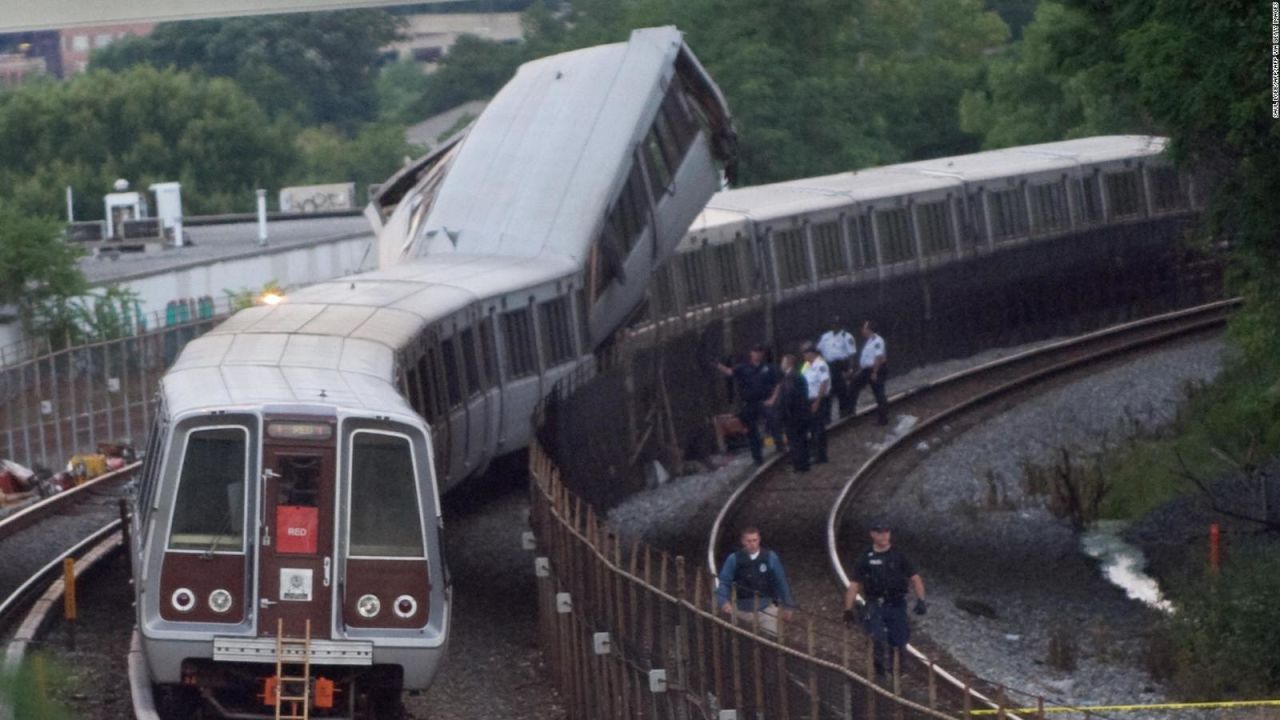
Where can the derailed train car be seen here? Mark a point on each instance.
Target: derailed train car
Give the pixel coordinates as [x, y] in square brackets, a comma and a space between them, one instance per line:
[288, 556]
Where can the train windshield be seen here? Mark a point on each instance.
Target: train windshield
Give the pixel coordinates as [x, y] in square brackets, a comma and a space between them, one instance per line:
[385, 519]
[208, 514]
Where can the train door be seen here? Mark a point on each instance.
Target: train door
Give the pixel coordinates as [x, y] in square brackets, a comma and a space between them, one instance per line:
[477, 397]
[296, 543]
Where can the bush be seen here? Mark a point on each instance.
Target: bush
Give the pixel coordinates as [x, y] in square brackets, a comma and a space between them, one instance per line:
[1225, 635]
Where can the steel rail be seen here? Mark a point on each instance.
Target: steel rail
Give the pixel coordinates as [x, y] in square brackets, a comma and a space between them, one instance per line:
[28, 516]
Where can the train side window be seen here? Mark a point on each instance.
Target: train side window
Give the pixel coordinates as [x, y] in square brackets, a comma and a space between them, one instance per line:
[1092, 200]
[151, 463]
[489, 351]
[452, 380]
[557, 337]
[683, 125]
[584, 320]
[1124, 193]
[655, 158]
[428, 368]
[827, 249]
[697, 284]
[385, 520]
[895, 235]
[1166, 188]
[726, 258]
[1049, 207]
[934, 221]
[667, 140]
[1008, 214]
[517, 330]
[469, 365]
[864, 243]
[208, 514]
[413, 390]
[793, 265]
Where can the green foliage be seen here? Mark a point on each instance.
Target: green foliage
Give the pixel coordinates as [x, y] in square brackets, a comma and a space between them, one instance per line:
[38, 272]
[373, 155]
[26, 692]
[474, 69]
[248, 297]
[311, 67]
[145, 125]
[1224, 635]
[1050, 86]
[1233, 422]
[400, 88]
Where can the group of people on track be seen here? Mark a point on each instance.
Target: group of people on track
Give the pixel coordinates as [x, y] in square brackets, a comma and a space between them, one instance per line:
[798, 396]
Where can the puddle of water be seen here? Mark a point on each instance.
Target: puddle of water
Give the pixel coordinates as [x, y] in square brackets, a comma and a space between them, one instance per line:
[1122, 563]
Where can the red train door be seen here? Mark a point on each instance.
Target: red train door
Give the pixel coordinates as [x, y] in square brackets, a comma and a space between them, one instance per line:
[296, 541]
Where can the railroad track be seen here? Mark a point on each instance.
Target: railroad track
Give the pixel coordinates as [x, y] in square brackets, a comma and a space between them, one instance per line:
[82, 524]
[801, 516]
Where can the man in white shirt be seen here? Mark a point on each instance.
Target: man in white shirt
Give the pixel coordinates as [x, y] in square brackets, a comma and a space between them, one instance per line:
[817, 375]
[837, 345]
[873, 370]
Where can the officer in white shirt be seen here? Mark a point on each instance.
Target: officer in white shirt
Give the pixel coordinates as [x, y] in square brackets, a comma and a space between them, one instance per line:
[837, 345]
[873, 370]
[818, 376]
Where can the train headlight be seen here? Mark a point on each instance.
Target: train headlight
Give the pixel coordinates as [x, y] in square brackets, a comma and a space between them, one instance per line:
[183, 600]
[220, 600]
[405, 607]
[368, 606]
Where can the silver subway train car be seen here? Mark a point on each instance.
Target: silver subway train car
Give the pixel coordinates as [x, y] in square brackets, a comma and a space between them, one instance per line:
[288, 552]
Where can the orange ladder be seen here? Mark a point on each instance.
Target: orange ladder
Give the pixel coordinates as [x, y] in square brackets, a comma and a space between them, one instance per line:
[304, 679]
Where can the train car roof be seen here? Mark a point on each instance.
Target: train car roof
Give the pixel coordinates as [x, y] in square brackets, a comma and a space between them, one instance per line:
[807, 195]
[537, 169]
[340, 336]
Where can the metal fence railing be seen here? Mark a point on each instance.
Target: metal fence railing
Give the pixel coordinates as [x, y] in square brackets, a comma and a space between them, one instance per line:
[630, 632]
[67, 401]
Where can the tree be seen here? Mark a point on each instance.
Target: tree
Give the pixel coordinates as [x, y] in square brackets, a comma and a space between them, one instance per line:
[311, 67]
[38, 273]
[373, 155]
[474, 69]
[145, 125]
[1052, 85]
[400, 87]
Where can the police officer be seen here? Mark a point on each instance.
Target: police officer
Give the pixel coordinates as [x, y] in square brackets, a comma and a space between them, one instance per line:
[882, 575]
[873, 370]
[761, 583]
[757, 385]
[837, 345]
[818, 374]
[793, 408]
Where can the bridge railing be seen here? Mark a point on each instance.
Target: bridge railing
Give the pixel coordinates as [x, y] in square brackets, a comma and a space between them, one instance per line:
[631, 632]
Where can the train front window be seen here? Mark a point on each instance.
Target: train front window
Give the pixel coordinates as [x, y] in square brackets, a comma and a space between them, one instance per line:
[208, 514]
[385, 521]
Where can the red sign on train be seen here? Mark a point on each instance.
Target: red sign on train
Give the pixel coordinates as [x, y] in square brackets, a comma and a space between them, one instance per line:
[296, 528]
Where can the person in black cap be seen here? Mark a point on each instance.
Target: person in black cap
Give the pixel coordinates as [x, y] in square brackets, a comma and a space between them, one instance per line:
[758, 391]
[882, 576]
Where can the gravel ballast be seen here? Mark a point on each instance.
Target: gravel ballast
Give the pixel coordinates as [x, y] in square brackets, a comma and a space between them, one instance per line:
[983, 541]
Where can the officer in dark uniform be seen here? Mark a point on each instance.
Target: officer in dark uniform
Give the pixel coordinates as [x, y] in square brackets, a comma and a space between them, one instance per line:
[756, 574]
[882, 575]
[757, 388]
[793, 408]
